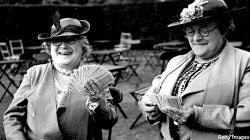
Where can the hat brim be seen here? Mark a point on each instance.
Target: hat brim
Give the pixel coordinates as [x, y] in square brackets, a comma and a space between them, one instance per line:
[47, 36]
[232, 13]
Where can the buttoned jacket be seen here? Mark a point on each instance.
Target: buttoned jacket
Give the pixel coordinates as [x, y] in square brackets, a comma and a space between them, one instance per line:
[33, 114]
[211, 91]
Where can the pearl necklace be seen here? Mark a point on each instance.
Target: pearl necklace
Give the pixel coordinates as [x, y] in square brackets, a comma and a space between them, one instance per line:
[64, 73]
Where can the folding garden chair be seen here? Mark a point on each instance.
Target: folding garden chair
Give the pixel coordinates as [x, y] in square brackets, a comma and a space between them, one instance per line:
[10, 75]
[16, 48]
[136, 94]
[5, 51]
[132, 59]
[117, 98]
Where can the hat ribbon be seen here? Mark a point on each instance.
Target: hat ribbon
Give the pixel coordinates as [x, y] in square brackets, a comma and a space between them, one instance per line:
[69, 28]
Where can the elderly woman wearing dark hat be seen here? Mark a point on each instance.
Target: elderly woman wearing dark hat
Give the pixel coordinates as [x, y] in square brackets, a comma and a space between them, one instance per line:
[44, 108]
[212, 81]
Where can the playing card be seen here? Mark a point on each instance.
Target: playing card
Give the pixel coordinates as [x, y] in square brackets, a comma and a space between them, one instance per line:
[86, 72]
[162, 100]
[105, 78]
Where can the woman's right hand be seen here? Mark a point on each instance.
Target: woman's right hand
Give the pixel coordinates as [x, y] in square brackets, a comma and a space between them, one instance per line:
[151, 109]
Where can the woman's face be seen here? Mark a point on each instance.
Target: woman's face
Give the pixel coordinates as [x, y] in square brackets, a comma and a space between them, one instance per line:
[205, 40]
[66, 53]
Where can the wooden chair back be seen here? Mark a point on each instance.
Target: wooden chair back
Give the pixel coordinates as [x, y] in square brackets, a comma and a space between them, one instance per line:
[5, 51]
[16, 47]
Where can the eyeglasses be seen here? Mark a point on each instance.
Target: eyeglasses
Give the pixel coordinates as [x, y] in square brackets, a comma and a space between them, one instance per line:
[203, 31]
[69, 40]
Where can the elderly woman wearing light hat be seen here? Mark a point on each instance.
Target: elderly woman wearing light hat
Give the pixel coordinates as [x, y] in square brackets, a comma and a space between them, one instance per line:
[212, 81]
[44, 108]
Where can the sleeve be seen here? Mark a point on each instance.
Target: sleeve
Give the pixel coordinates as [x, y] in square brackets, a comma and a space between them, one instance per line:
[154, 87]
[104, 112]
[14, 117]
[220, 116]
[141, 102]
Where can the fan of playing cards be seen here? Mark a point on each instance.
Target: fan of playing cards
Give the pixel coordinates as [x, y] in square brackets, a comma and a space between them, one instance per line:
[163, 100]
[86, 72]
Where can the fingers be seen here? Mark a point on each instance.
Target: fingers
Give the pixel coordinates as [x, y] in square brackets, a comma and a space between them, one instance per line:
[154, 116]
[95, 90]
[151, 108]
[93, 87]
[153, 112]
[171, 112]
[177, 115]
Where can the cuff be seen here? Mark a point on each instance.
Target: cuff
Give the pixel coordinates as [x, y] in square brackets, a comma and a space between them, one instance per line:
[152, 122]
[198, 112]
[91, 106]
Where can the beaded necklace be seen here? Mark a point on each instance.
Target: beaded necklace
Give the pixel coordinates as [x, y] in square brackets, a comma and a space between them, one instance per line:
[65, 73]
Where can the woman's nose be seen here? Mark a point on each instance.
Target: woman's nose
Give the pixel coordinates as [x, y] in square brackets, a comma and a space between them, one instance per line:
[197, 35]
[64, 44]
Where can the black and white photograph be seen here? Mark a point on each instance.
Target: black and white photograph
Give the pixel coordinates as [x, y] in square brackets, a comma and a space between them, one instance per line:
[124, 70]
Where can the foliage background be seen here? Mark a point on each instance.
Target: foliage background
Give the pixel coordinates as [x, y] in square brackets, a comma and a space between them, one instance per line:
[146, 20]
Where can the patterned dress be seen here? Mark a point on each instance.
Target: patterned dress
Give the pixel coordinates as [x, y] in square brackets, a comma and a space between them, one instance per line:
[193, 69]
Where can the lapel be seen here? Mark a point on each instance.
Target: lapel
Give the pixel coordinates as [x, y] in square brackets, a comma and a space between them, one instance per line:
[217, 80]
[221, 82]
[45, 105]
[171, 74]
[199, 82]
[214, 80]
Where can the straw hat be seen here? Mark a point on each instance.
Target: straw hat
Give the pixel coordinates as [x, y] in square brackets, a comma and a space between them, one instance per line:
[201, 10]
[66, 27]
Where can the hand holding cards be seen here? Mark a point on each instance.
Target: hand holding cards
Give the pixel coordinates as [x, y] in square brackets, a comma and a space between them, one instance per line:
[84, 73]
[165, 100]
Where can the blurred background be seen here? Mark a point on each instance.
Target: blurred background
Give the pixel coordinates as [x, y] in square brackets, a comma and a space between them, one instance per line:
[146, 20]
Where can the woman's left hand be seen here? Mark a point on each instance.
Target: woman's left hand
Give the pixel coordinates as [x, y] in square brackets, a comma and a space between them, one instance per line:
[181, 116]
[95, 89]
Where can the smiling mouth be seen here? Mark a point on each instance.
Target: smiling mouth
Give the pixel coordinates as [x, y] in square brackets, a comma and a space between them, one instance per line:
[201, 44]
[65, 53]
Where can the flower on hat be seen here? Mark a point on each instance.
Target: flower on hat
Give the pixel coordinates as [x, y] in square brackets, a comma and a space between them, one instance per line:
[194, 11]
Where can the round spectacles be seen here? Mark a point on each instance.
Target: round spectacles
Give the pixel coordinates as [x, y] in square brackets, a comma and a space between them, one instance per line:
[203, 31]
[69, 40]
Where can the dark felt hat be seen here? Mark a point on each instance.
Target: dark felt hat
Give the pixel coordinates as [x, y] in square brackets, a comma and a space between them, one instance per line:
[201, 10]
[66, 27]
